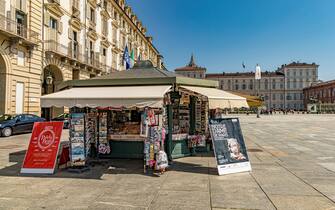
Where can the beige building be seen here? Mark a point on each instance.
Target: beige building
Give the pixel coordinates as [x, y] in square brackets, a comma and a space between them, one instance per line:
[64, 40]
[86, 38]
[297, 77]
[280, 89]
[20, 56]
[270, 87]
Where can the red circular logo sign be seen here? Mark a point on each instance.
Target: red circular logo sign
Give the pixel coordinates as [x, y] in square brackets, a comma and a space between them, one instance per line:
[46, 139]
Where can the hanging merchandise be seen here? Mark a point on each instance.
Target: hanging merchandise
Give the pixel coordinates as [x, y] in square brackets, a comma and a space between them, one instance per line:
[196, 141]
[161, 160]
[90, 131]
[77, 139]
[151, 117]
[198, 116]
[103, 144]
[152, 156]
[144, 125]
[154, 143]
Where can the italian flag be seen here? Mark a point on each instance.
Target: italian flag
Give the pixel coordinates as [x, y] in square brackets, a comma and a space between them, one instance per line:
[132, 58]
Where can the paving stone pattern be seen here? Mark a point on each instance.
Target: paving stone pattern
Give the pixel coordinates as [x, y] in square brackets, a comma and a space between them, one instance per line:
[292, 157]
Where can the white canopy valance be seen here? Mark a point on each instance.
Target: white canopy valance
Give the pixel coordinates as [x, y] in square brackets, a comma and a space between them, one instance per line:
[120, 96]
[219, 98]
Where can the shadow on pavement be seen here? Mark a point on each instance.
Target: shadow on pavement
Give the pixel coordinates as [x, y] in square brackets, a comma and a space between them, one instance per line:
[106, 166]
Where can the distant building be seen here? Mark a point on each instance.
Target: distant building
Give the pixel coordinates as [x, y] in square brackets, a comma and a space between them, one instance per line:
[271, 87]
[192, 70]
[321, 93]
[281, 89]
[297, 77]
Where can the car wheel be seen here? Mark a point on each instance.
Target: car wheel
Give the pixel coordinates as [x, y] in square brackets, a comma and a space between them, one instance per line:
[7, 132]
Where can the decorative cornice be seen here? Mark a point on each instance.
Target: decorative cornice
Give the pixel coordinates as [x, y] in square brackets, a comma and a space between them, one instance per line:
[75, 23]
[55, 9]
[92, 3]
[105, 43]
[92, 34]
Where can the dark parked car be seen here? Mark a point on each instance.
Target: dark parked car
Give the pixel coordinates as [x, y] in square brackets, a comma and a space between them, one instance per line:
[14, 124]
[64, 118]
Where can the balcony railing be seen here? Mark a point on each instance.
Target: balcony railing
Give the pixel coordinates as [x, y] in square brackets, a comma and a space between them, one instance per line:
[54, 46]
[72, 51]
[19, 30]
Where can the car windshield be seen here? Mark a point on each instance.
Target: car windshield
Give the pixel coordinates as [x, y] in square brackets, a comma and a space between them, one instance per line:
[6, 117]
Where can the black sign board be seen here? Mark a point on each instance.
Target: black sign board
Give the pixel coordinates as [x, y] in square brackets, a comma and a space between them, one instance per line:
[229, 147]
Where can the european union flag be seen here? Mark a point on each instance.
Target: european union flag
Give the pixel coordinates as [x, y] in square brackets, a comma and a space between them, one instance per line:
[126, 57]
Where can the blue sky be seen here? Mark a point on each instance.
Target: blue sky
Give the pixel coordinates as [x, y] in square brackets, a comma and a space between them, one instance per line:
[224, 33]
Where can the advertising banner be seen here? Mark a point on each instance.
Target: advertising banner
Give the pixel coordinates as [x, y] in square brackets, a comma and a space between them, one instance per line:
[42, 152]
[229, 147]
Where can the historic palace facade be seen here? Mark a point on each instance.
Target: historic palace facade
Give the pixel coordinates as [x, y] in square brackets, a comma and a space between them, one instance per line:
[46, 42]
[321, 93]
[280, 89]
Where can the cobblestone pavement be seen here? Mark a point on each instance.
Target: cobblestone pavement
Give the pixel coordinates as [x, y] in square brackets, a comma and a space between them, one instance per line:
[293, 161]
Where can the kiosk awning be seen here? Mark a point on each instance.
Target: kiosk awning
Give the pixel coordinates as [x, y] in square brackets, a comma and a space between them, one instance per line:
[219, 98]
[121, 96]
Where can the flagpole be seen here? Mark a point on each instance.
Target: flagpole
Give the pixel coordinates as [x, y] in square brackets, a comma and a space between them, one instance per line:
[258, 78]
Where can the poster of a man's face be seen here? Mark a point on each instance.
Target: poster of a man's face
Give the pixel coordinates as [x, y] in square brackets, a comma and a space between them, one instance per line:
[235, 149]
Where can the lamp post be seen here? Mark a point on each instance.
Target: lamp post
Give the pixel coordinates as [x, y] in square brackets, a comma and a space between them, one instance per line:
[258, 77]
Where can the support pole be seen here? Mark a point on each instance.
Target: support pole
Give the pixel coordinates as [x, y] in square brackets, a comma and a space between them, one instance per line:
[170, 130]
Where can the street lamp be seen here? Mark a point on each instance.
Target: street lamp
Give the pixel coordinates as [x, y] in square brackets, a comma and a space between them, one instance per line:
[49, 80]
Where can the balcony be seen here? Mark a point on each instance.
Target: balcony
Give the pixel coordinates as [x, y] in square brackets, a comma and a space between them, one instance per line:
[72, 52]
[55, 47]
[16, 30]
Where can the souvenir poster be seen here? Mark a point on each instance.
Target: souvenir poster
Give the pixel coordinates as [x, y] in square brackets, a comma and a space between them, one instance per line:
[78, 154]
[229, 147]
[77, 139]
[90, 131]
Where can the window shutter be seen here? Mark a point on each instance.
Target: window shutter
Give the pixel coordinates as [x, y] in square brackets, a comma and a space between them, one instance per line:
[23, 6]
[46, 19]
[88, 12]
[70, 34]
[60, 27]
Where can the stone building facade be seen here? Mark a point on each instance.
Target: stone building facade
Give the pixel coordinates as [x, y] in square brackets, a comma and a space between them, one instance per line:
[323, 92]
[270, 87]
[20, 56]
[297, 77]
[47, 42]
[280, 89]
